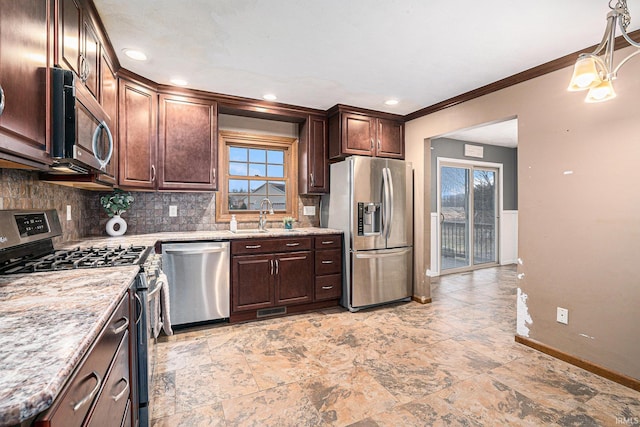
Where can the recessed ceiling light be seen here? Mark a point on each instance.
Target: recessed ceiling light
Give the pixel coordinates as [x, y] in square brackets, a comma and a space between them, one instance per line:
[135, 54]
[391, 102]
[179, 82]
[269, 97]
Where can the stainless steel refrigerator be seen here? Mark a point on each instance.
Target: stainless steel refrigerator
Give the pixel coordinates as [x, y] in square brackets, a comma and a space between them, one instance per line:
[371, 200]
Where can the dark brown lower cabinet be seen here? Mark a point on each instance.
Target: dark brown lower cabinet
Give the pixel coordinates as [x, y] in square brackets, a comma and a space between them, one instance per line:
[279, 276]
[98, 392]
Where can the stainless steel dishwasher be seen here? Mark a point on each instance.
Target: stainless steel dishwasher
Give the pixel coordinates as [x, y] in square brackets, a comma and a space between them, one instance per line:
[198, 276]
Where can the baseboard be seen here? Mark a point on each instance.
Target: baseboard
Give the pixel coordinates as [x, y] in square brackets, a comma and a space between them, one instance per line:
[581, 363]
[421, 300]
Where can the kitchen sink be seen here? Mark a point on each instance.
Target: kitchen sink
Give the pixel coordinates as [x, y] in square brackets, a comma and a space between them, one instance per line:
[250, 231]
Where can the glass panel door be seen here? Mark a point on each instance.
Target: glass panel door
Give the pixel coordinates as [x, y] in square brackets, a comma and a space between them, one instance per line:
[468, 217]
[454, 218]
[485, 217]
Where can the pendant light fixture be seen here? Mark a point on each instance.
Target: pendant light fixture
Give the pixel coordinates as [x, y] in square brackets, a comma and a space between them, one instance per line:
[594, 71]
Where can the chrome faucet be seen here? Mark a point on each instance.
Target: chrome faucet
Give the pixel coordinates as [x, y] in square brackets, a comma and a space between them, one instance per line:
[262, 221]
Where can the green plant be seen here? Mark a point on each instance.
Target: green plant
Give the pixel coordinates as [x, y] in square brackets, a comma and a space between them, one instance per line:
[116, 202]
[287, 220]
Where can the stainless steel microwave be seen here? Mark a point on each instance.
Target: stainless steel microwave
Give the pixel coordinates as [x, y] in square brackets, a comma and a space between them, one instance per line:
[81, 139]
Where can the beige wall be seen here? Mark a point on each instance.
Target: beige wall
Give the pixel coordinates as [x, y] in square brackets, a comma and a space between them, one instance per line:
[579, 233]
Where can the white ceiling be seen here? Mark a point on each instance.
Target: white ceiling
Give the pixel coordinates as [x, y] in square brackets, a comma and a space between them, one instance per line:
[317, 53]
[504, 134]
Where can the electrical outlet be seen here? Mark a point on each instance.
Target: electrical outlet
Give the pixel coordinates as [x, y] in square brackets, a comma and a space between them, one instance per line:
[173, 210]
[309, 210]
[562, 315]
[68, 212]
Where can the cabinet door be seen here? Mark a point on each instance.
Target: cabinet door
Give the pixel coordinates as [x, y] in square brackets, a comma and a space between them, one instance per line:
[112, 402]
[313, 153]
[109, 102]
[137, 136]
[252, 283]
[24, 78]
[390, 141]
[187, 144]
[358, 134]
[69, 35]
[294, 278]
[91, 55]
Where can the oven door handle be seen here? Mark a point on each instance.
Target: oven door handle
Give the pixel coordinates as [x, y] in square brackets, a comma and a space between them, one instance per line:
[139, 301]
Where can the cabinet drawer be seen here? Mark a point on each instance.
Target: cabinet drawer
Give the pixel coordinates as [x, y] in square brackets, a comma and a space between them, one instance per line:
[81, 391]
[328, 242]
[112, 403]
[328, 287]
[256, 246]
[328, 262]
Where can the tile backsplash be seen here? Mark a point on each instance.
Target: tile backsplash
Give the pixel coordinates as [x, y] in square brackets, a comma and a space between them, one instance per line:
[149, 212]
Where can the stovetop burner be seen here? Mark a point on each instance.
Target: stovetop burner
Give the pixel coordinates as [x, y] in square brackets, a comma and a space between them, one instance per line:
[91, 257]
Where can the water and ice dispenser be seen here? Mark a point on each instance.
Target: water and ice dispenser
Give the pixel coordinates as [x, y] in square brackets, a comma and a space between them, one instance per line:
[369, 218]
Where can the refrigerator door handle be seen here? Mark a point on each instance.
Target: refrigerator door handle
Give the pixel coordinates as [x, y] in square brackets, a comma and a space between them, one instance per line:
[381, 254]
[388, 201]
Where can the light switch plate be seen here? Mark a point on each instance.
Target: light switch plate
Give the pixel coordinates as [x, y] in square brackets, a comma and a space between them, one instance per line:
[68, 212]
[309, 210]
[173, 210]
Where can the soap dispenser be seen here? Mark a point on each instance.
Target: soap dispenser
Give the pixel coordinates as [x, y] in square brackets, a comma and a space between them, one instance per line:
[233, 225]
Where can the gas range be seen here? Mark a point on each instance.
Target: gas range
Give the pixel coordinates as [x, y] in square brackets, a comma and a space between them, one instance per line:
[26, 246]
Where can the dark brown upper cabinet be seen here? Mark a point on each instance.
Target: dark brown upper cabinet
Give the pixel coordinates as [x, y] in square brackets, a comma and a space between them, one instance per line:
[25, 55]
[137, 130]
[79, 46]
[187, 143]
[313, 168]
[353, 131]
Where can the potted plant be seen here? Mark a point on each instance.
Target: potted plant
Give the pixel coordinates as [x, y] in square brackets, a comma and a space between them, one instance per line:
[288, 222]
[116, 204]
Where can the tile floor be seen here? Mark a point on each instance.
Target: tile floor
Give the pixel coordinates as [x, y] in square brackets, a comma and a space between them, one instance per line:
[453, 362]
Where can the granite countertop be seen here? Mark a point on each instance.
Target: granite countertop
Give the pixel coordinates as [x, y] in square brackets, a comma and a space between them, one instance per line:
[152, 238]
[49, 320]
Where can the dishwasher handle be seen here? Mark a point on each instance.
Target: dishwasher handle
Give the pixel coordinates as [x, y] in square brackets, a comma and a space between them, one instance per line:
[195, 252]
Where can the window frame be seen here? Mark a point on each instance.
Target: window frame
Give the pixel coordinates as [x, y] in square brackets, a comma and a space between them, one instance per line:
[261, 141]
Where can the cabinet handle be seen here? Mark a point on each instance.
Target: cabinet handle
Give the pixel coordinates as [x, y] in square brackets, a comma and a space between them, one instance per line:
[213, 175]
[124, 326]
[311, 175]
[326, 288]
[277, 266]
[372, 143]
[153, 173]
[252, 246]
[327, 262]
[123, 392]
[271, 267]
[327, 242]
[87, 67]
[2, 99]
[293, 244]
[379, 145]
[93, 392]
[139, 301]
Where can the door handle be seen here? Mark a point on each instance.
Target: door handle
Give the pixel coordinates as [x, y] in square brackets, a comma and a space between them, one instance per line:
[139, 301]
[2, 100]
[94, 143]
[121, 328]
[91, 394]
[195, 252]
[441, 218]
